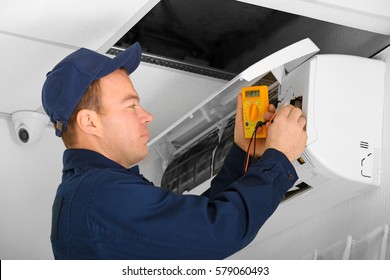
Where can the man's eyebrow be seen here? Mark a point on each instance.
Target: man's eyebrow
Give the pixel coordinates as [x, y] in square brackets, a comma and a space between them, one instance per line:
[130, 97]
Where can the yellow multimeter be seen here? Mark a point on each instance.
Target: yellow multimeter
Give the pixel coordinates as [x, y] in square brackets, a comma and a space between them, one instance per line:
[254, 105]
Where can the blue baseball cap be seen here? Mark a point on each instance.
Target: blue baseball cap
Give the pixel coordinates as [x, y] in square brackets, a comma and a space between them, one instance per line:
[71, 77]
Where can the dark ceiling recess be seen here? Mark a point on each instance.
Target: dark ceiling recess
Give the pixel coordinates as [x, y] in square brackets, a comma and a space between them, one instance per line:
[231, 35]
[203, 32]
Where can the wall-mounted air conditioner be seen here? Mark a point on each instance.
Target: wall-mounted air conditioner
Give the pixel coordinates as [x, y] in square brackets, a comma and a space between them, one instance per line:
[342, 99]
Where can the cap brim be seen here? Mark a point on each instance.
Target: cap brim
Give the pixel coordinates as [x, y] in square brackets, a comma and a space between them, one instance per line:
[129, 59]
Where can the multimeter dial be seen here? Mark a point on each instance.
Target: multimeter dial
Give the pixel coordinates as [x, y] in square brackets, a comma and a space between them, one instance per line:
[253, 112]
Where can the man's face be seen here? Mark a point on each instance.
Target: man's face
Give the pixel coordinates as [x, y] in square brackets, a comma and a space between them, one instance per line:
[124, 132]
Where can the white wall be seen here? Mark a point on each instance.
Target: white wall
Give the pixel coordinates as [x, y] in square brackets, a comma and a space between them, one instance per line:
[355, 217]
[28, 182]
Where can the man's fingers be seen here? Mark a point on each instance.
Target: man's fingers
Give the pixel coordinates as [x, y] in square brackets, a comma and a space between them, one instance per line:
[269, 114]
[302, 121]
[295, 113]
[239, 101]
[239, 109]
[291, 112]
[271, 108]
[285, 110]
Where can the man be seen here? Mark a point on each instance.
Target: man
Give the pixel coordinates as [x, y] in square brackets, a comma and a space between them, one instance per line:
[105, 210]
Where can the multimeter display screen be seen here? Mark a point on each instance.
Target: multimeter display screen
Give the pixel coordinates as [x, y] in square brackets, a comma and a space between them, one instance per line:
[252, 93]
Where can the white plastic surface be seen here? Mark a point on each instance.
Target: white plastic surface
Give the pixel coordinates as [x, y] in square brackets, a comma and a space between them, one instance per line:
[343, 103]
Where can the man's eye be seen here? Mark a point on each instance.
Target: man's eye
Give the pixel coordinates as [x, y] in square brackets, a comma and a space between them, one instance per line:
[133, 106]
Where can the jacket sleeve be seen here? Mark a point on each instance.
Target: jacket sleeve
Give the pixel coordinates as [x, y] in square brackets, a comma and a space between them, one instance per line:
[232, 170]
[136, 220]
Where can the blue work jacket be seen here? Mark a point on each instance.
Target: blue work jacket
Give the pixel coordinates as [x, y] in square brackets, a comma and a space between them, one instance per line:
[105, 211]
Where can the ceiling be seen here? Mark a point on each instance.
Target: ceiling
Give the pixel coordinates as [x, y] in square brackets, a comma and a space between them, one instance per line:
[231, 35]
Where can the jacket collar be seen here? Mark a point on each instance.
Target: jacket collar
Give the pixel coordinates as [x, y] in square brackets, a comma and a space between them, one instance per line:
[82, 158]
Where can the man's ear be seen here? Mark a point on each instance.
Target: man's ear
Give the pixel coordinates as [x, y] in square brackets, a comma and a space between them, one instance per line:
[87, 121]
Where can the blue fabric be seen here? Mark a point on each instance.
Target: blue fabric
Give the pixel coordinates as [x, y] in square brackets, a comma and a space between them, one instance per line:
[70, 78]
[109, 212]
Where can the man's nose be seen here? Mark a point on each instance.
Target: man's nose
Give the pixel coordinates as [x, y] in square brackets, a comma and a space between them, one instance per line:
[146, 116]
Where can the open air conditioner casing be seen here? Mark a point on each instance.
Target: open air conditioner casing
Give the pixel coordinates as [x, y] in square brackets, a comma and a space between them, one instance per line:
[342, 99]
[343, 103]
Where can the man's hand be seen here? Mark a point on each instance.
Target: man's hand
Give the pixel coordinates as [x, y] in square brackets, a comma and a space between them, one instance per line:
[239, 137]
[286, 132]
